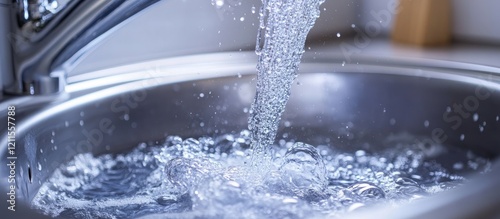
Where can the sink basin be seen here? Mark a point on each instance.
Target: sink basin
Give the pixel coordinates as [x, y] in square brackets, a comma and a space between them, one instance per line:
[377, 98]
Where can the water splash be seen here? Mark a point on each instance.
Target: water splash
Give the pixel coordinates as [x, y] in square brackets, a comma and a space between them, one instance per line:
[207, 178]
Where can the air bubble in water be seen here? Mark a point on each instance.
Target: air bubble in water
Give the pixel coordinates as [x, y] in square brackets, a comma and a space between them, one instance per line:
[303, 169]
[187, 172]
[367, 190]
[218, 3]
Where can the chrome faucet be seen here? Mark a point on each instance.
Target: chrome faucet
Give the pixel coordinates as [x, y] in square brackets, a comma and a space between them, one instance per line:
[42, 39]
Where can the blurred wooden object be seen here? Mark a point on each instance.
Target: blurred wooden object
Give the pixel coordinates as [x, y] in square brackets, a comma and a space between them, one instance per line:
[423, 22]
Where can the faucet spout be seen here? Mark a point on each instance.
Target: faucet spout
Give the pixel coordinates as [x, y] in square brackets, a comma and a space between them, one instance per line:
[44, 35]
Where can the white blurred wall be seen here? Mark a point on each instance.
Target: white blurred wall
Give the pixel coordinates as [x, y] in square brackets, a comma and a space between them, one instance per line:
[183, 27]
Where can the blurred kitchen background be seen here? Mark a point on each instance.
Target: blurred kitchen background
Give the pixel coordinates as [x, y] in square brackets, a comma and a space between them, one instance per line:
[455, 30]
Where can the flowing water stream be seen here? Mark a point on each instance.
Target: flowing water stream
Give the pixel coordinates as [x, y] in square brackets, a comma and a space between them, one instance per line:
[284, 25]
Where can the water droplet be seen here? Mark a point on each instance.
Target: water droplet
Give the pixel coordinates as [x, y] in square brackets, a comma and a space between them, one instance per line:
[392, 121]
[81, 122]
[462, 137]
[66, 123]
[202, 124]
[218, 3]
[458, 166]
[253, 9]
[353, 25]
[426, 123]
[475, 117]
[82, 114]
[39, 166]
[126, 117]
[202, 95]
[338, 34]
[287, 123]
[242, 18]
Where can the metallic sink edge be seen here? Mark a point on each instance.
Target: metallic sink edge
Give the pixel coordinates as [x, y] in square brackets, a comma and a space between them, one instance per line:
[220, 64]
[162, 67]
[445, 200]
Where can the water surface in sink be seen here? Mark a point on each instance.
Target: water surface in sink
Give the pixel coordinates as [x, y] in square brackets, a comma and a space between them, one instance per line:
[207, 178]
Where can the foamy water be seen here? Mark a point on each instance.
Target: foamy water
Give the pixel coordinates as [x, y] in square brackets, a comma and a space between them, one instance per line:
[208, 178]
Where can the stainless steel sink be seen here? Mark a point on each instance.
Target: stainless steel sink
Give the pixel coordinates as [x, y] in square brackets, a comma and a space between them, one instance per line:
[377, 98]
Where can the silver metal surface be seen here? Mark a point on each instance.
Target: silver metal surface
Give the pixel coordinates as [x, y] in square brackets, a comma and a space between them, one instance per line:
[159, 98]
[34, 15]
[45, 34]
